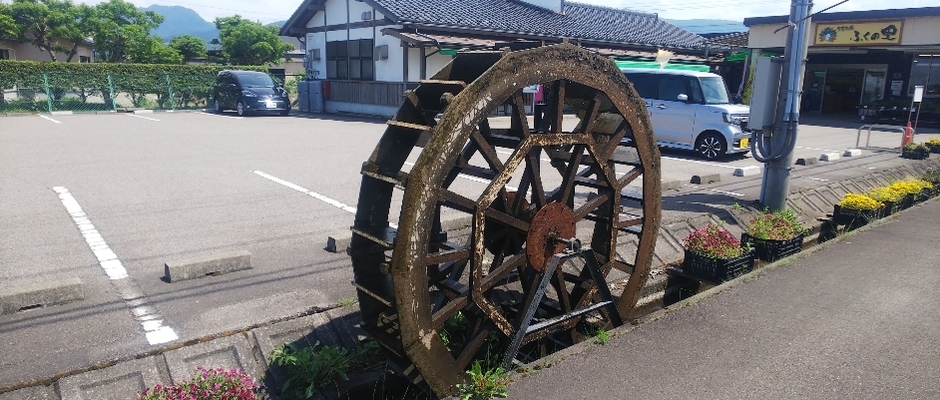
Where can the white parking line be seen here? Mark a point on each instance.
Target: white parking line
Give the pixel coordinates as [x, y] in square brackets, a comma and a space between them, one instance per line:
[474, 179]
[318, 196]
[142, 117]
[220, 115]
[725, 192]
[48, 119]
[134, 298]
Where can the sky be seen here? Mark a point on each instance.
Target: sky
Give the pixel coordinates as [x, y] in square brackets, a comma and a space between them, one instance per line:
[736, 10]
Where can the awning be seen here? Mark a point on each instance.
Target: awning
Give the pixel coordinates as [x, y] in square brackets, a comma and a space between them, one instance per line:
[655, 65]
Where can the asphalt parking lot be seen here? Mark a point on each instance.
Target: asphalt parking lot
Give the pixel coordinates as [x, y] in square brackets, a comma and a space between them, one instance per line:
[148, 189]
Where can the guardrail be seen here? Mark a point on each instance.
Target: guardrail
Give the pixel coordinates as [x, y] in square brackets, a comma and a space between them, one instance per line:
[858, 138]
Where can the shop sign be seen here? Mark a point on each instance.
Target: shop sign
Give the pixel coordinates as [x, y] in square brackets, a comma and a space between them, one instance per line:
[859, 34]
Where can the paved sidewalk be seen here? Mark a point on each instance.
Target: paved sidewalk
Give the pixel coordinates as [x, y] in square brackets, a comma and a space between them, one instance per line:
[853, 319]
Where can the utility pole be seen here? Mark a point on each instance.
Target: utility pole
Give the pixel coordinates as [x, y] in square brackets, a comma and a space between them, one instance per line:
[777, 149]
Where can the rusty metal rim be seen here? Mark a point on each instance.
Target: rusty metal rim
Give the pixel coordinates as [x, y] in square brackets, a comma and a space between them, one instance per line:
[420, 341]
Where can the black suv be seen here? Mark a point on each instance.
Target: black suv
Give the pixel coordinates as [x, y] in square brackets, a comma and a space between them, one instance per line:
[249, 91]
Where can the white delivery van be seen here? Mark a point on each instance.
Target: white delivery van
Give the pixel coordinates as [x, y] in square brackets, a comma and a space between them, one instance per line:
[692, 110]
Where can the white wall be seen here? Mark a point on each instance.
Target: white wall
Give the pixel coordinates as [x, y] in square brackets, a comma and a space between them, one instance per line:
[434, 63]
[437, 62]
[389, 70]
[335, 12]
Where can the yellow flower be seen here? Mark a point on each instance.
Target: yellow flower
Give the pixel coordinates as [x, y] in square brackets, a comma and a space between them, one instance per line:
[861, 202]
[908, 186]
[886, 193]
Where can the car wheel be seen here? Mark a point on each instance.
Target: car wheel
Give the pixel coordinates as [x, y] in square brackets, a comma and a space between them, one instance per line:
[218, 106]
[711, 145]
[241, 108]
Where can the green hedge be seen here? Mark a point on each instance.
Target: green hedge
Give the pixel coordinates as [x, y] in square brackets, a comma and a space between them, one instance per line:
[71, 85]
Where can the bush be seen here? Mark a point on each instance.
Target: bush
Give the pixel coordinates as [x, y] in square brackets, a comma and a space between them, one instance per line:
[208, 384]
[310, 369]
[484, 385]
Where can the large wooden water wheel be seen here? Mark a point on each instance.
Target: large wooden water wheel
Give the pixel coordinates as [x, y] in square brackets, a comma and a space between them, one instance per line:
[542, 207]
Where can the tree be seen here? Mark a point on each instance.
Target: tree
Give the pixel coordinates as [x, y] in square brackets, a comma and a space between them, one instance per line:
[42, 22]
[249, 43]
[151, 50]
[121, 28]
[80, 30]
[8, 27]
[189, 46]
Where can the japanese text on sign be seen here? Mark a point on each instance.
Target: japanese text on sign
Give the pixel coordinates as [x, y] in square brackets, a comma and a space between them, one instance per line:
[859, 34]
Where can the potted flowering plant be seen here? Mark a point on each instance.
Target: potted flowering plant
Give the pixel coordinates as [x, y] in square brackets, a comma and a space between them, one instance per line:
[889, 196]
[915, 151]
[208, 384]
[856, 209]
[775, 235]
[932, 176]
[934, 145]
[714, 255]
[912, 189]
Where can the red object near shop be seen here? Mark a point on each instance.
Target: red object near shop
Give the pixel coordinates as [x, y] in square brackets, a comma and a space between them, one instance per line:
[908, 135]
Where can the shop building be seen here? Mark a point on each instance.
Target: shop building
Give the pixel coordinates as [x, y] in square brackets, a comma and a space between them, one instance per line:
[861, 58]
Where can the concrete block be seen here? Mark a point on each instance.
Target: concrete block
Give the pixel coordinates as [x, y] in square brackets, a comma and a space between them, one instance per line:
[227, 352]
[671, 185]
[829, 157]
[142, 111]
[40, 295]
[708, 178]
[852, 153]
[336, 244]
[61, 113]
[118, 382]
[750, 170]
[806, 161]
[211, 265]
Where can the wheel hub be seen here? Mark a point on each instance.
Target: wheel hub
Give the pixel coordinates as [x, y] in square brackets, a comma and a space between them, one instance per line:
[549, 233]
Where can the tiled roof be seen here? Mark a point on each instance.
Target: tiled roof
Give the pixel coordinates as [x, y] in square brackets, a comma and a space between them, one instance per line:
[577, 21]
[476, 42]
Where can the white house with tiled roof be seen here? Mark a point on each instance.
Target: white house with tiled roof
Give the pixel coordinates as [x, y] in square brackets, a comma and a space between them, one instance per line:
[368, 52]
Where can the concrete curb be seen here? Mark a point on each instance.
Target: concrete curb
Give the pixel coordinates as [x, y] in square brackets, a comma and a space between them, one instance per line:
[40, 295]
[339, 243]
[210, 265]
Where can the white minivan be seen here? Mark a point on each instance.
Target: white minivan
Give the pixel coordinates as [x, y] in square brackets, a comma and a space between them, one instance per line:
[692, 110]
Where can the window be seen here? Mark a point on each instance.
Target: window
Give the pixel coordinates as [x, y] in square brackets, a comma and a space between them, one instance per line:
[645, 84]
[350, 59]
[670, 87]
[926, 73]
[5, 54]
[84, 59]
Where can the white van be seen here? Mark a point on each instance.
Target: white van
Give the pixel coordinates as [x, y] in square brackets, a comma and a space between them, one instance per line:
[692, 110]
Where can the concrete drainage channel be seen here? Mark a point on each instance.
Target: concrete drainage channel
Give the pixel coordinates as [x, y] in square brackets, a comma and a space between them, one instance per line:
[248, 348]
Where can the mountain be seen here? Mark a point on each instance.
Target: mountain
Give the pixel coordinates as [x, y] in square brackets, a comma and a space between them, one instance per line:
[700, 26]
[178, 20]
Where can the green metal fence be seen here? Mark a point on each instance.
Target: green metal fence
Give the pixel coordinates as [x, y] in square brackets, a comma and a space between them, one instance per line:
[50, 92]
